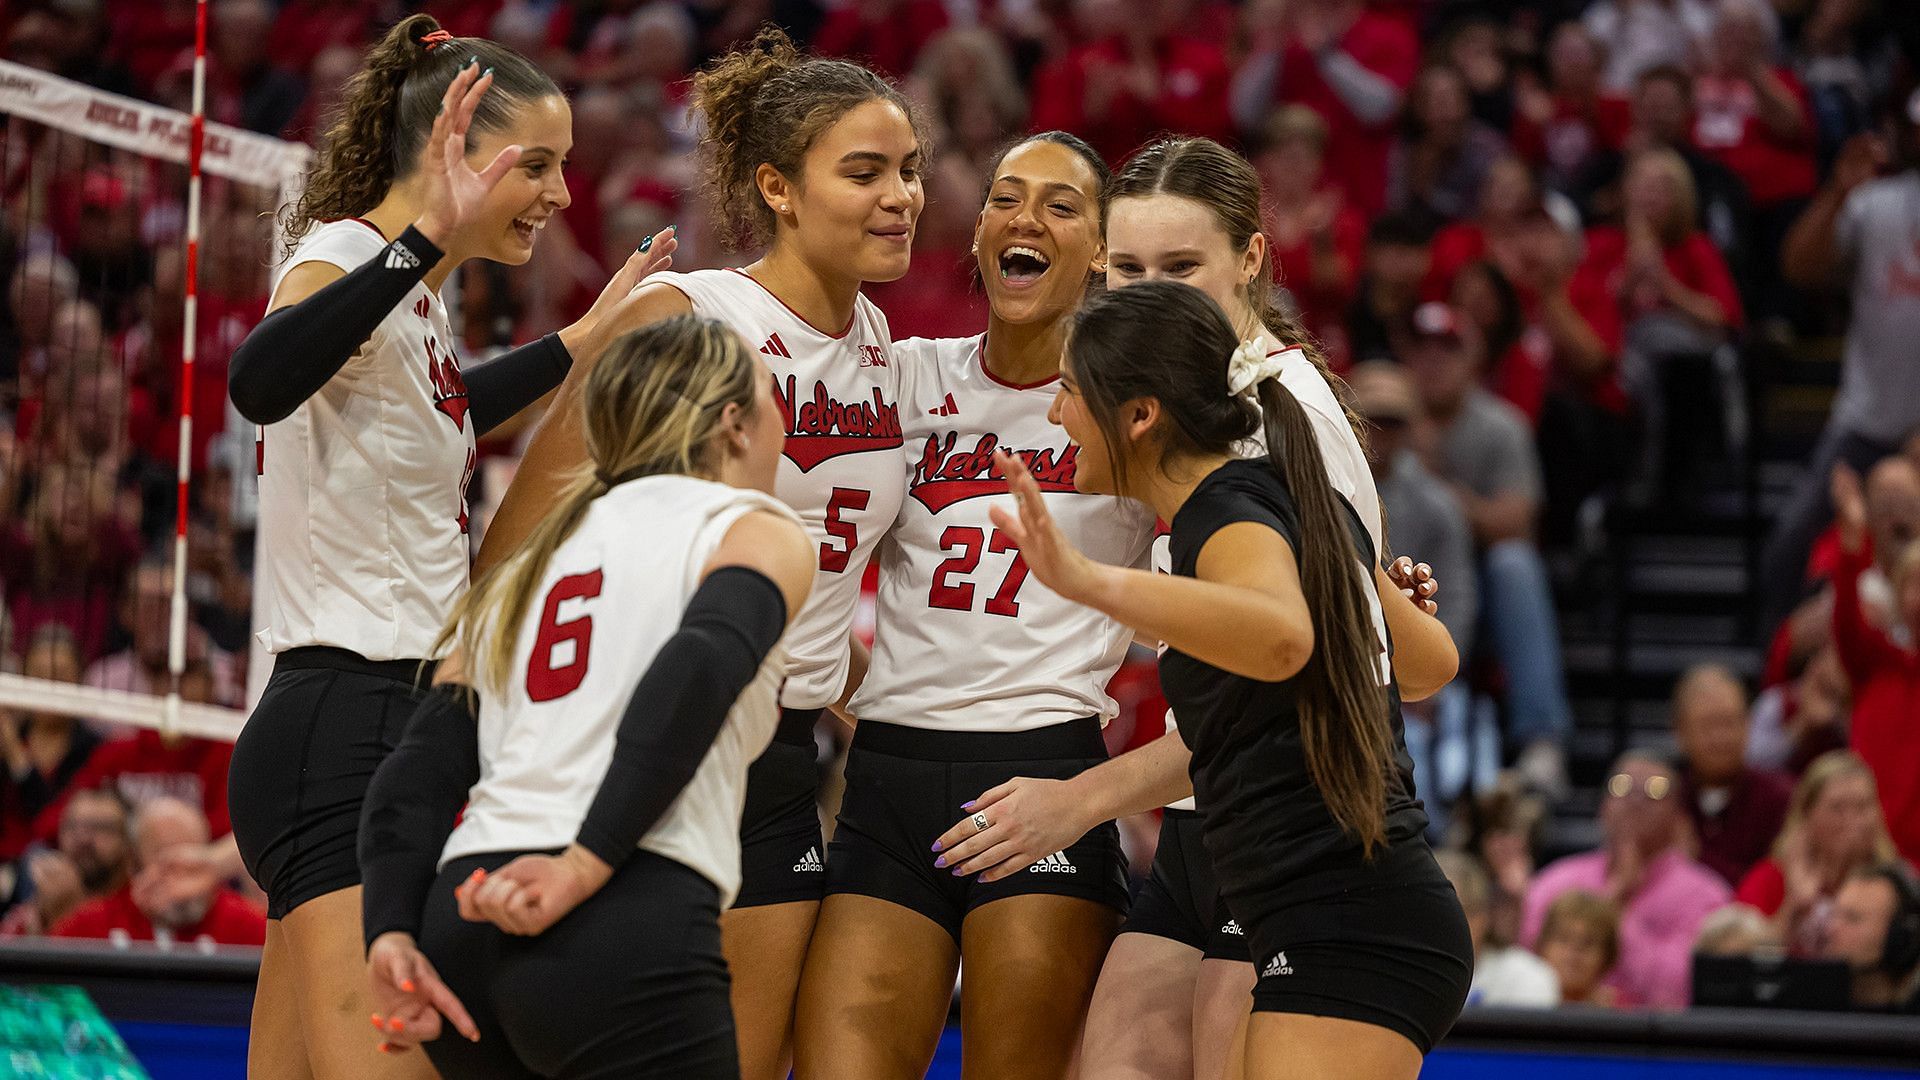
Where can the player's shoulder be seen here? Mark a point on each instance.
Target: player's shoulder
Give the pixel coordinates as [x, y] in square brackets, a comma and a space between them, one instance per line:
[353, 238]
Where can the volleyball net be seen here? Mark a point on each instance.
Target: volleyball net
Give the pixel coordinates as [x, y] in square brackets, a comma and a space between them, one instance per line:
[126, 481]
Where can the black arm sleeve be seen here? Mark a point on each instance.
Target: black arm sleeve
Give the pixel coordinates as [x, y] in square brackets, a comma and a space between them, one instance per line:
[504, 385]
[410, 809]
[295, 350]
[731, 624]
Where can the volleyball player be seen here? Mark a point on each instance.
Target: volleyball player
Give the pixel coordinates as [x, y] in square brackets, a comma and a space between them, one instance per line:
[1279, 663]
[1178, 979]
[445, 149]
[818, 161]
[614, 696]
[978, 675]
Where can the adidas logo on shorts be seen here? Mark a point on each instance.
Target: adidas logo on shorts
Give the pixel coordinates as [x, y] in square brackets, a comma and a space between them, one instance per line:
[1055, 863]
[1277, 966]
[399, 257]
[1233, 927]
[810, 863]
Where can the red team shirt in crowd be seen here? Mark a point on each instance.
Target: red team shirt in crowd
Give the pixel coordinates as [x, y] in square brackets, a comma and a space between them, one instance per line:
[841, 467]
[1356, 150]
[967, 639]
[115, 917]
[1193, 84]
[1577, 131]
[1727, 127]
[144, 765]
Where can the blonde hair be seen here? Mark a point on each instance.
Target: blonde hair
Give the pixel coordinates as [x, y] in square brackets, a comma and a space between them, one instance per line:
[1578, 906]
[1686, 199]
[1735, 930]
[1824, 770]
[651, 406]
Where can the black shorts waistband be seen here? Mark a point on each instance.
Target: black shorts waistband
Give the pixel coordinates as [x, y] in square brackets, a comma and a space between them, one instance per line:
[1072, 739]
[796, 726]
[309, 657]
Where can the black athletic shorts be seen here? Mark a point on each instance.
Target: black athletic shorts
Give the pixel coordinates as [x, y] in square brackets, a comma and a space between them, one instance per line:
[905, 787]
[629, 984]
[782, 856]
[1180, 901]
[301, 766]
[1385, 944]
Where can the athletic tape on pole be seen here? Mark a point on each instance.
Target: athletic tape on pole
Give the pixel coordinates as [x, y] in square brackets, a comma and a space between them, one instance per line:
[149, 129]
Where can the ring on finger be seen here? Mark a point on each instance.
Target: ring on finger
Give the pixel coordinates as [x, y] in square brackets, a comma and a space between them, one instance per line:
[980, 822]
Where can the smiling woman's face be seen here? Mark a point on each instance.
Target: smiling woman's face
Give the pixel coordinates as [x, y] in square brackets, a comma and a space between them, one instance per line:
[1038, 237]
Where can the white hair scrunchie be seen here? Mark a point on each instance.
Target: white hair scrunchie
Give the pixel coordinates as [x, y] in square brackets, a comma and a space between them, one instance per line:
[1251, 366]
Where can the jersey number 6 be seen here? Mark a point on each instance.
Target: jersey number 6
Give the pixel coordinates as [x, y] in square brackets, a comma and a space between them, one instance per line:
[545, 681]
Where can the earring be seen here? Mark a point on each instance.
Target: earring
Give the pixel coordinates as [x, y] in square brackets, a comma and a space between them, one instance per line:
[784, 208]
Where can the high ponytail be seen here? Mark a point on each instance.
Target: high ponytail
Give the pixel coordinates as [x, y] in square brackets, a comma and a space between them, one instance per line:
[1343, 705]
[374, 135]
[1220, 180]
[766, 104]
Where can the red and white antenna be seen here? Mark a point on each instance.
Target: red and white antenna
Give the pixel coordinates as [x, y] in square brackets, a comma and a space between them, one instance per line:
[189, 345]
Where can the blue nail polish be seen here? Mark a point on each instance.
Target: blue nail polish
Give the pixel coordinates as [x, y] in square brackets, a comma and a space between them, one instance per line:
[471, 60]
[645, 244]
[486, 73]
[936, 845]
[940, 863]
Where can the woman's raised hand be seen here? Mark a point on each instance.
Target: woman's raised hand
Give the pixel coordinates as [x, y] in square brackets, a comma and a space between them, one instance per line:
[454, 193]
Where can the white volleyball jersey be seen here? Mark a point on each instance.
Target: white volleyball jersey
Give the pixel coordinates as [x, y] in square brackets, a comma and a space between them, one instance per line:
[841, 468]
[603, 608]
[1347, 467]
[966, 640]
[363, 489]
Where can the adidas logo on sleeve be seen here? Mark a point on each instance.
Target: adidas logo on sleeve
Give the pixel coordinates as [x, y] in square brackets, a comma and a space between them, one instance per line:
[1277, 966]
[1055, 863]
[400, 257]
[810, 863]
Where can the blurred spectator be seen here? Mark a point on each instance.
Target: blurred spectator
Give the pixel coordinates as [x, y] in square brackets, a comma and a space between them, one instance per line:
[247, 84]
[1580, 940]
[1501, 831]
[1314, 236]
[1876, 930]
[1736, 810]
[65, 559]
[1455, 747]
[43, 751]
[1139, 77]
[1674, 297]
[1477, 47]
[1503, 973]
[1795, 722]
[966, 77]
[1345, 61]
[139, 912]
[146, 610]
[1845, 67]
[41, 285]
[1885, 672]
[72, 37]
[1441, 161]
[1644, 33]
[1482, 448]
[886, 35]
[89, 859]
[1865, 234]
[1833, 828]
[326, 78]
[150, 35]
[1506, 205]
[1562, 128]
[1643, 866]
[148, 765]
[1735, 930]
[1399, 260]
[1520, 357]
[1751, 111]
[319, 25]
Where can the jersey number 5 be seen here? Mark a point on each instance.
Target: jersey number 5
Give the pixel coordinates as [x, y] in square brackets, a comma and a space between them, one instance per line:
[959, 596]
[833, 559]
[547, 681]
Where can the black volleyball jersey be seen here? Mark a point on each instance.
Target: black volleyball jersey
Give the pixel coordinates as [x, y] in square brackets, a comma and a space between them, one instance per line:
[1266, 822]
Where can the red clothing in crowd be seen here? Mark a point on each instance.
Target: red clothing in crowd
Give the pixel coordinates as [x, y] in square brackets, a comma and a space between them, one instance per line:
[1576, 132]
[81, 598]
[1764, 888]
[1740, 834]
[230, 921]
[1323, 308]
[149, 35]
[1694, 262]
[889, 44]
[1886, 704]
[318, 25]
[143, 766]
[935, 299]
[1193, 80]
[1728, 128]
[1356, 150]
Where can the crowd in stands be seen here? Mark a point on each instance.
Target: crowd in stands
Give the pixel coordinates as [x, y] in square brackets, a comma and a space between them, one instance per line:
[1528, 232]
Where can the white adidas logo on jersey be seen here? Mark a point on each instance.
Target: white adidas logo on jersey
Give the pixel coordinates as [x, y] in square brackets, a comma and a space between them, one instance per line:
[1055, 863]
[810, 863]
[1277, 966]
[1233, 927]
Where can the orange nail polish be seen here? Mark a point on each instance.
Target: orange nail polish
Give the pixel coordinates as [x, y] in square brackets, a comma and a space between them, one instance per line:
[407, 985]
[397, 1024]
[376, 1021]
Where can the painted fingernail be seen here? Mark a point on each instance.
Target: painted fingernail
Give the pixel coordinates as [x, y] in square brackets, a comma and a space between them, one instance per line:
[966, 805]
[383, 1048]
[957, 872]
[940, 863]
[377, 1025]
[396, 1024]
[486, 73]
[471, 60]
[936, 845]
[407, 985]
[644, 245]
